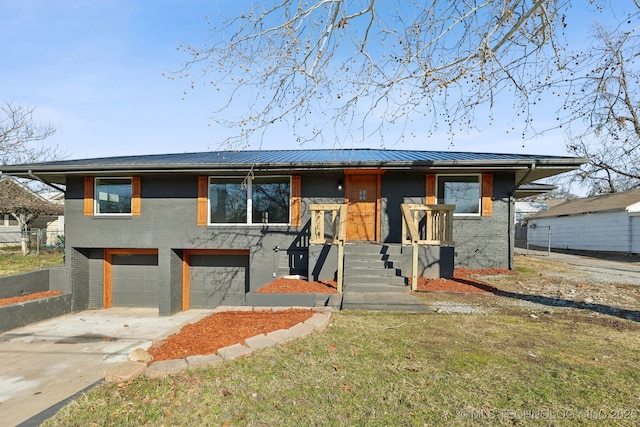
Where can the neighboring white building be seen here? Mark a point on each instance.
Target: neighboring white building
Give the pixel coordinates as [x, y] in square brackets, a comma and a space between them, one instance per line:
[50, 228]
[607, 223]
[526, 209]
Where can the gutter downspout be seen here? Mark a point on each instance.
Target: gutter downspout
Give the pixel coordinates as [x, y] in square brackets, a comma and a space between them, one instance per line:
[510, 224]
[34, 176]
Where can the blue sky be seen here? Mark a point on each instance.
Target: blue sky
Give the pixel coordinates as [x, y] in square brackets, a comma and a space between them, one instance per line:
[94, 69]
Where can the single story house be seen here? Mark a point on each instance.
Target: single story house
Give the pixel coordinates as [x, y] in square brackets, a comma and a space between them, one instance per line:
[190, 230]
[39, 212]
[606, 223]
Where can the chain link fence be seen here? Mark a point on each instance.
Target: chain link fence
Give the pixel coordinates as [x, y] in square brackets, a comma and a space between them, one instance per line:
[530, 236]
[37, 239]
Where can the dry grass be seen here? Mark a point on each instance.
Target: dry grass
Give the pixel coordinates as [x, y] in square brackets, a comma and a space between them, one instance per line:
[397, 369]
[13, 262]
[516, 365]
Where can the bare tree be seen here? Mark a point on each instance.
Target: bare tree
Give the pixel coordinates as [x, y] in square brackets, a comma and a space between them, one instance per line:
[24, 205]
[363, 67]
[607, 98]
[20, 138]
[332, 70]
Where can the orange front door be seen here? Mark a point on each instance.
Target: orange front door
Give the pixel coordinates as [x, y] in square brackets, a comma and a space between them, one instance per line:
[363, 202]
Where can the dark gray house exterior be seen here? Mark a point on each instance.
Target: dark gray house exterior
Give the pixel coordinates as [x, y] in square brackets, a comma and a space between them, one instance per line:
[192, 230]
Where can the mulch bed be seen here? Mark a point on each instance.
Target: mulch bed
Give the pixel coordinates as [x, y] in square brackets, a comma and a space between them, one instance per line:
[464, 281]
[224, 329]
[299, 286]
[29, 297]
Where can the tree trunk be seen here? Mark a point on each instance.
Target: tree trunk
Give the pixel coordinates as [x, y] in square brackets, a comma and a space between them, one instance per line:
[24, 237]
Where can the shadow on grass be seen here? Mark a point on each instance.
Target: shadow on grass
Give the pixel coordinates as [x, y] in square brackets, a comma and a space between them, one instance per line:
[622, 313]
[472, 283]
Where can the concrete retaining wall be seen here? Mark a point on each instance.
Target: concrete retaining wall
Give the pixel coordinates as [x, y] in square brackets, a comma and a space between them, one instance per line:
[284, 300]
[17, 315]
[24, 283]
[21, 314]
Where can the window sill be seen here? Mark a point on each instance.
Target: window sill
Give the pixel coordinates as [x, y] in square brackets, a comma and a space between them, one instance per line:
[467, 217]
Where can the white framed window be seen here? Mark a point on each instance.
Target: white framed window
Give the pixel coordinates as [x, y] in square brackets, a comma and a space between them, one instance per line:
[8, 221]
[256, 200]
[113, 196]
[464, 191]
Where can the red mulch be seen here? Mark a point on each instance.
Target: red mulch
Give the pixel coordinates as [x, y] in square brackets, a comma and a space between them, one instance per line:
[463, 281]
[35, 295]
[299, 286]
[224, 329]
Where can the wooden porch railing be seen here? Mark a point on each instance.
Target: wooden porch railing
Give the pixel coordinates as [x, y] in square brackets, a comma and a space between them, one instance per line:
[338, 234]
[425, 225]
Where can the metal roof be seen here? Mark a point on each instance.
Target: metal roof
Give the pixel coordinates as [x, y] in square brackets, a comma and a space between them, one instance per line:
[341, 156]
[320, 159]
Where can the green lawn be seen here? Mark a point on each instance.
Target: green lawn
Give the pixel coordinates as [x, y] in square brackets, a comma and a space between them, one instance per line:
[564, 367]
[12, 261]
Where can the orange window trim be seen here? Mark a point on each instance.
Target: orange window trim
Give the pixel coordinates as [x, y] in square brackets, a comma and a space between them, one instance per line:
[487, 194]
[89, 200]
[135, 196]
[296, 201]
[378, 207]
[88, 196]
[430, 192]
[203, 189]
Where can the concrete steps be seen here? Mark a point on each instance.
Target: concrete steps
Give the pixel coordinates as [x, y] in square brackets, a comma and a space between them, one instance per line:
[371, 268]
[373, 279]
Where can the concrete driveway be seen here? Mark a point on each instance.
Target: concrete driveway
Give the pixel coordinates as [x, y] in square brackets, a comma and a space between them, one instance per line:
[47, 362]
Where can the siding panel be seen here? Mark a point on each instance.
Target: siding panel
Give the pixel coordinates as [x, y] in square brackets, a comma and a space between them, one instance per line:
[594, 231]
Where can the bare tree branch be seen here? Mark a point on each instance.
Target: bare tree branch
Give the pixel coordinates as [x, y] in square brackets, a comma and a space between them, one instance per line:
[606, 97]
[20, 138]
[332, 68]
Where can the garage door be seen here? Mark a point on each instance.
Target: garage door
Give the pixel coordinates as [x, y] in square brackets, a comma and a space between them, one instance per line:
[134, 280]
[216, 280]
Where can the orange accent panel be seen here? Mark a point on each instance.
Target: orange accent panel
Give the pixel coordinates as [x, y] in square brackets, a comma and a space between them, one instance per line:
[135, 196]
[487, 194]
[88, 196]
[378, 207]
[186, 303]
[296, 200]
[430, 192]
[203, 190]
[107, 292]
[362, 216]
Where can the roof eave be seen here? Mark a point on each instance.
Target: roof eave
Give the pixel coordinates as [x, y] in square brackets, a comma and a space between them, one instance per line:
[543, 167]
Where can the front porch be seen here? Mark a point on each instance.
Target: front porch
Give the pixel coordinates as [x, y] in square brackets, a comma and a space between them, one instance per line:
[425, 250]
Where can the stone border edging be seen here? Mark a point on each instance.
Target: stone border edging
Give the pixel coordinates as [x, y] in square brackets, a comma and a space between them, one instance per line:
[163, 368]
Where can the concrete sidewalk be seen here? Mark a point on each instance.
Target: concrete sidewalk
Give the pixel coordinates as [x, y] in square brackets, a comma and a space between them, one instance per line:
[47, 362]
